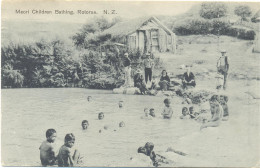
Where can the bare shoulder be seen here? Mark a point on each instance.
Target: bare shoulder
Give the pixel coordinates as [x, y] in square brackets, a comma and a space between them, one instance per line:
[46, 145]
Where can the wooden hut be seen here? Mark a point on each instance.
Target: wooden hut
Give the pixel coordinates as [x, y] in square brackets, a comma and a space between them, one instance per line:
[143, 34]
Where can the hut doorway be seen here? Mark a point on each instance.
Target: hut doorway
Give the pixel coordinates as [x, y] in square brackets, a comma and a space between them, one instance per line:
[154, 40]
[141, 41]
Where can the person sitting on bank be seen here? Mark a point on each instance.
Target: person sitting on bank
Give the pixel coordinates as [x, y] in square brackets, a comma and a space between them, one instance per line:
[139, 82]
[164, 81]
[188, 78]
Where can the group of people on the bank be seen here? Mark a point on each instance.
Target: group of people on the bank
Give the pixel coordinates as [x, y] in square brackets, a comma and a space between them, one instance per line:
[188, 79]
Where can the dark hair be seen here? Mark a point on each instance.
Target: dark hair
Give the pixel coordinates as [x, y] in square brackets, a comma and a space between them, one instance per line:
[100, 113]
[149, 145]
[49, 132]
[225, 98]
[165, 71]
[84, 121]
[139, 150]
[191, 108]
[184, 108]
[166, 101]
[214, 98]
[151, 109]
[69, 137]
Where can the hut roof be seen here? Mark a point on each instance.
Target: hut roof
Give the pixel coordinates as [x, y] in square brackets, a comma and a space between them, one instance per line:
[128, 27]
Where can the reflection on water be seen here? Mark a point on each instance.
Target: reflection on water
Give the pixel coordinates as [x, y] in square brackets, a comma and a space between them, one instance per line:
[28, 113]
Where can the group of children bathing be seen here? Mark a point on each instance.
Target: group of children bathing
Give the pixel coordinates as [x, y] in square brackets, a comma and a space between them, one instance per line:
[67, 157]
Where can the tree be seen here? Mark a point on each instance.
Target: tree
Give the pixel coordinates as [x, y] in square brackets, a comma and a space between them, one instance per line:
[243, 11]
[87, 36]
[210, 10]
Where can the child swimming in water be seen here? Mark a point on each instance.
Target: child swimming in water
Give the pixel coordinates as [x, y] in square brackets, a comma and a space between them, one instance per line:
[120, 104]
[47, 154]
[122, 124]
[167, 111]
[158, 160]
[216, 113]
[152, 113]
[185, 113]
[146, 114]
[67, 157]
[89, 98]
[192, 113]
[223, 101]
[101, 116]
[84, 124]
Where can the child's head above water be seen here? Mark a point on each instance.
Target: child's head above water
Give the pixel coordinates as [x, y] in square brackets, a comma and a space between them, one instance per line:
[191, 110]
[89, 98]
[69, 140]
[167, 102]
[152, 113]
[184, 111]
[122, 124]
[120, 104]
[100, 115]
[223, 99]
[51, 135]
[84, 124]
[146, 111]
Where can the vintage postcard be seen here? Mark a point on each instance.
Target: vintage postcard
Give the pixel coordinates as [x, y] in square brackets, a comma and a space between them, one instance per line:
[130, 83]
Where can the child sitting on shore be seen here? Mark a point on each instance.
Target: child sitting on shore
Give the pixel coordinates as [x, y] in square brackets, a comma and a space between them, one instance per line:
[66, 157]
[185, 113]
[167, 111]
[146, 114]
[47, 154]
[84, 124]
[152, 113]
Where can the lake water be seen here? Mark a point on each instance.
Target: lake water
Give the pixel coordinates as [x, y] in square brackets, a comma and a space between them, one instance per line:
[28, 113]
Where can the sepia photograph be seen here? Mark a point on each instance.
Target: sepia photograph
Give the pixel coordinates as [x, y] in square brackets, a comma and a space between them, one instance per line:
[130, 83]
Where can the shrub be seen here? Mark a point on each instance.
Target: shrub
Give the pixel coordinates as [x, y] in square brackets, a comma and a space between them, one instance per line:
[242, 33]
[215, 26]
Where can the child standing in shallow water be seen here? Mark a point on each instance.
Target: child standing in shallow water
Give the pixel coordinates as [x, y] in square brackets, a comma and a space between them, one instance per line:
[167, 111]
[65, 157]
[47, 154]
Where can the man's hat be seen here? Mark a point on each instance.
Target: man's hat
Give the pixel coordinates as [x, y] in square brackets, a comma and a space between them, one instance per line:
[126, 54]
[148, 54]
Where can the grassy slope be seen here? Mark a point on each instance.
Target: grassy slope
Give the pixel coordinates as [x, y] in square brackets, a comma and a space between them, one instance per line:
[203, 52]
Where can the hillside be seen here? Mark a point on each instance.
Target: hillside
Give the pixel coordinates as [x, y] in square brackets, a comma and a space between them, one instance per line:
[32, 30]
